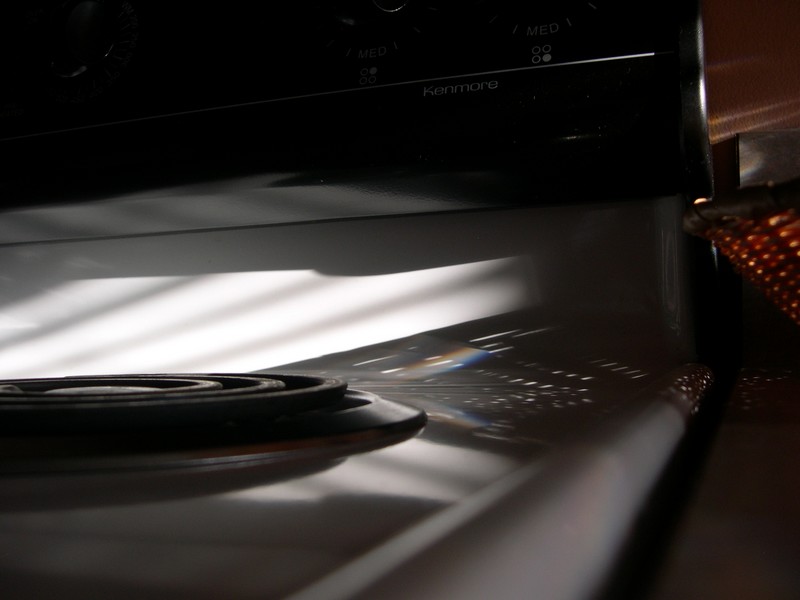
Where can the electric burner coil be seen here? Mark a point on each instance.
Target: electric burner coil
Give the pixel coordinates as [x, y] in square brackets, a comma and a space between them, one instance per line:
[141, 423]
[124, 402]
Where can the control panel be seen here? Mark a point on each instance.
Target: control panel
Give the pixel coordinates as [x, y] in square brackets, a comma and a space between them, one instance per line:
[562, 86]
[81, 62]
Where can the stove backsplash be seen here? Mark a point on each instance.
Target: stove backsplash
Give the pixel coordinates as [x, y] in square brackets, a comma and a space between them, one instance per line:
[133, 117]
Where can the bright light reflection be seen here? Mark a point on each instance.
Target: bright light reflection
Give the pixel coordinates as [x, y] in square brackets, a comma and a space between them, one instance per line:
[239, 321]
[419, 468]
[453, 360]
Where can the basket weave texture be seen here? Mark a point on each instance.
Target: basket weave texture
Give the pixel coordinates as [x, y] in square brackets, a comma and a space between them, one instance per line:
[758, 230]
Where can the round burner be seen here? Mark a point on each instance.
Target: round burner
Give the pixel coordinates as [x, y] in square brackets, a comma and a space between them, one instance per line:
[111, 402]
[146, 422]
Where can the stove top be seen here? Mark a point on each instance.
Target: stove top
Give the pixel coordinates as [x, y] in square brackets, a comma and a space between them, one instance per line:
[469, 211]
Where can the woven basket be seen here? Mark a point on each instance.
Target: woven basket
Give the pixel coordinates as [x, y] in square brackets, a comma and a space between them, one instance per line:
[758, 230]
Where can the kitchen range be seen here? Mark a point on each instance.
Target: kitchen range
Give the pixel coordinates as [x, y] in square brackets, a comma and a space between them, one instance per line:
[364, 298]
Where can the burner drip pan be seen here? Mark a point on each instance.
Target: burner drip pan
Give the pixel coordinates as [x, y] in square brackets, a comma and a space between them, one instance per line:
[144, 422]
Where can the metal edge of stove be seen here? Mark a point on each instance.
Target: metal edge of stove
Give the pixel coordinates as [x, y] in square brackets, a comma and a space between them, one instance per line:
[651, 332]
[533, 533]
[768, 157]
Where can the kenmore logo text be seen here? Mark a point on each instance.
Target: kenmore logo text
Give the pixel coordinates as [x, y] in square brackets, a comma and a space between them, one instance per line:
[460, 88]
